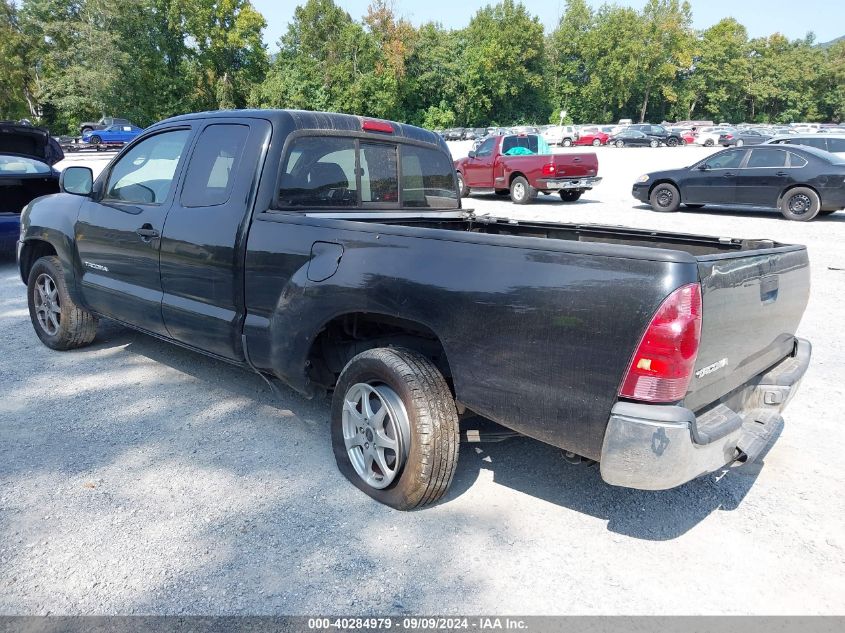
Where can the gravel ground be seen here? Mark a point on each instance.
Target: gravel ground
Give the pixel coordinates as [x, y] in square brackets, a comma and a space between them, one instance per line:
[138, 477]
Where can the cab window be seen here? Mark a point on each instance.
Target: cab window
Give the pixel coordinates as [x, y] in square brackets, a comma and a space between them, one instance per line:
[766, 158]
[726, 160]
[486, 148]
[145, 174]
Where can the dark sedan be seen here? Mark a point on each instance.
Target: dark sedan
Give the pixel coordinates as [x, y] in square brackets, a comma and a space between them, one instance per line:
[633, 138]
[802, 182]
[27, 156]
[738, 138]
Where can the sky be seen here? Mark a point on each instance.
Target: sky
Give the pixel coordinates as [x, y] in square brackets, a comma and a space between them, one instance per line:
[826, 18]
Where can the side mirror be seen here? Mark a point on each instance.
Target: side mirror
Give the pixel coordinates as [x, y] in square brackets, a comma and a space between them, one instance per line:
[471, 154]
[77, 180]
[703, 167]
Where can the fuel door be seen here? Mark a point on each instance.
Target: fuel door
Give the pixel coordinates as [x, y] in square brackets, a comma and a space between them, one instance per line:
[325, 259]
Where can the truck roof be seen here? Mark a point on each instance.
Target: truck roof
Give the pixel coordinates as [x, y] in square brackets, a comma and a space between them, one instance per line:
[307, 120]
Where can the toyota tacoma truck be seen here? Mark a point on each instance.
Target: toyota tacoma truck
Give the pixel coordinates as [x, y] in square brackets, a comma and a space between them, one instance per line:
[330, 253]
[521, 165]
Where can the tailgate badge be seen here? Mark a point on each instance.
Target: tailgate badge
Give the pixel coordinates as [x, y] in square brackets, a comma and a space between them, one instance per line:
[704, 371]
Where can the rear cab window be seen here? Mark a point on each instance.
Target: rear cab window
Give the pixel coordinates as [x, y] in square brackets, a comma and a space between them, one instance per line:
[327, 172]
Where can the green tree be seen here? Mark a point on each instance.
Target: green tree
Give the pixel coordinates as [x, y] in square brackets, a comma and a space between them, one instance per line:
[567, 65]
[502, 72]
[16, 79]
[432, 80]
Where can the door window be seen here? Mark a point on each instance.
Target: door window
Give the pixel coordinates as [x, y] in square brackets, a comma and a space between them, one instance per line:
[836, 145]
[145, 174]
[486, 148]
[726, 160]
[766, 158]
[214, 163]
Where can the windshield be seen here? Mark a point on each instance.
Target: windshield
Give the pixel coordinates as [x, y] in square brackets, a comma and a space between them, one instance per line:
[20, 165]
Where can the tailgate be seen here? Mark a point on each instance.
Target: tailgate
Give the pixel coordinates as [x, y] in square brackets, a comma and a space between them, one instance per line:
[752, 304]
[576, 165]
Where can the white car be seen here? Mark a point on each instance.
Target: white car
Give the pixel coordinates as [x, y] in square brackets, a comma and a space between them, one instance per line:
[833, 143]
[560, 135]
[709, 136]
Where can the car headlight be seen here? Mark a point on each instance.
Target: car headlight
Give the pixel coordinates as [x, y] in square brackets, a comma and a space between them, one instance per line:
[643, 178]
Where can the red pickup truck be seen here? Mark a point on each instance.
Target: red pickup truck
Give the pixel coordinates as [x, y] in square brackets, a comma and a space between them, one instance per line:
[522, 165]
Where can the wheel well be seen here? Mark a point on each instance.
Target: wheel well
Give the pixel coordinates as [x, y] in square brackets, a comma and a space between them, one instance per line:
[661, 182]
[350, 334]
[31, 252]
[514, 176]
[796, 186]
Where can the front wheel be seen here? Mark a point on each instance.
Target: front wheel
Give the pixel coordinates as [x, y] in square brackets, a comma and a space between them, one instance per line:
[58, 321]
[709, 142]
[620, 143]
[521, 191]
[95, 140]
[654, 143]
[740, 143]
[395, 427]
[665, 197]
[463, 190]
[570, 195]
[596, 142]
[567, 142]
[672, 142]
[801, 204]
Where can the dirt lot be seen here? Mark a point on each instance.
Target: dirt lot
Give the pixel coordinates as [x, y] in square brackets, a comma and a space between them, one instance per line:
[138, 477]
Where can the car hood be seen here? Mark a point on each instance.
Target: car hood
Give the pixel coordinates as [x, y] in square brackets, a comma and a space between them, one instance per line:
[32, 142]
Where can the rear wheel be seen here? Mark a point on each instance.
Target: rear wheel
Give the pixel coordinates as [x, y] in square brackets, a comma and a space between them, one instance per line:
[96, 140]
[596, 142]
[740, 143]
[654, 143]
[672, 142]
[395, 427]
[709, 142]
[620, 143]
[58, 321]
[463, 190]
[567, 142]
[801, 204]
[665, 197]
[570, 195]
[521, 191]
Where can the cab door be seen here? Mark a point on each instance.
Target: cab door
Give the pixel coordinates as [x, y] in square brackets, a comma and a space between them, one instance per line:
[118, 230]
[713, 181]
[479, 170]
[204, 237]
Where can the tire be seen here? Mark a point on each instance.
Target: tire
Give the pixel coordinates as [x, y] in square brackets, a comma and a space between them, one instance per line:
[693, 206]
[567, 142]
[570, 195]
[421, 424]
[665, 197]
[801, 204]
[709, 142]
[463, 190]
[672, 142]
[95, 140]
[58, 321]
[740, 142]
[521, 191]
[653, 143]
[85, 129]
[503, 192]
[596, 142]
[620, 143]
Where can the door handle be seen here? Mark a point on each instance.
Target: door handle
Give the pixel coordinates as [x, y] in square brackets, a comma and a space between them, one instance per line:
[780, 173]
[728, 175]
[147, 232]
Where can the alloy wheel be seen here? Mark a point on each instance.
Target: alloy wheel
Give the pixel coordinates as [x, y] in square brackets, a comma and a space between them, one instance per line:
[48, 308]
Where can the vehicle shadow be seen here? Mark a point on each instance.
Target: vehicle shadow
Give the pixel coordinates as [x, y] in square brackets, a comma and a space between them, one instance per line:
[762, 212]
[551, 198]
[539, 470]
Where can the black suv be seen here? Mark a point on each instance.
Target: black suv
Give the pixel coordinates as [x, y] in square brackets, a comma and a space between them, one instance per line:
[667, 137]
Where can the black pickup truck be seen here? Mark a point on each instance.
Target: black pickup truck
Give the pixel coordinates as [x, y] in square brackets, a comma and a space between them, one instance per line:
[330, 252]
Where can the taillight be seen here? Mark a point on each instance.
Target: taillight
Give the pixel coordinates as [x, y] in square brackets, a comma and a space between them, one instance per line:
[729, 136]
[373, 125]
[662, 366]
[549, 169]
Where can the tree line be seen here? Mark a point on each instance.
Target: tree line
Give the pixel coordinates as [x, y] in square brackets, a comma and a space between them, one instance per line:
[65, 61]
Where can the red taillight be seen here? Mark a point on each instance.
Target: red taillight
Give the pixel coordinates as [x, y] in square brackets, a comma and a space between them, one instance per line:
[662, 366]
[729, 136]
[549, 169]
[371, 125]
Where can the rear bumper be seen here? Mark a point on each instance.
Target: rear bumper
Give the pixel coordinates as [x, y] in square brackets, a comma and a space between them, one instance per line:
[10, 228]
[656, 447]
[558, 184]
